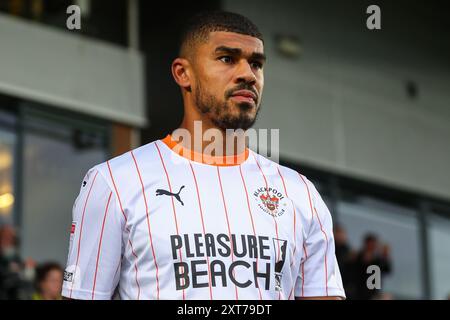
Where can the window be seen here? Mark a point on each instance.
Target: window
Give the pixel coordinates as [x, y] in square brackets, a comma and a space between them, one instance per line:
[57, 152]
[7, 155]
[44, 154]
[395, 226]
[416, 227]
[439, 252]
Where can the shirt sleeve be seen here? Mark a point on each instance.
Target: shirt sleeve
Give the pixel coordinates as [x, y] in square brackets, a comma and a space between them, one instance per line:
[319, 274]
[95, 248]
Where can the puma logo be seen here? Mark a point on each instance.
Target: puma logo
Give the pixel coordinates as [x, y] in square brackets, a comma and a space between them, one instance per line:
[160, 192]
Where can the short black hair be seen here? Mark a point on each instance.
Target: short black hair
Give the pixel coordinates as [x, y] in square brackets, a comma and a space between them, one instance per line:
[198, 27]
[43, 270]
[368, 237]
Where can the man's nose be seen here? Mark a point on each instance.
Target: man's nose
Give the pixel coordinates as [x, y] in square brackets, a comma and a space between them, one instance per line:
[245, 73]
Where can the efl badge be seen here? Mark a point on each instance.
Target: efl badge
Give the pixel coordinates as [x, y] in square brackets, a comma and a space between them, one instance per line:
[72, 231]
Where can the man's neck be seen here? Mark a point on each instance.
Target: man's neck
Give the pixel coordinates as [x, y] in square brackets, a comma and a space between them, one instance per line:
[205, 136]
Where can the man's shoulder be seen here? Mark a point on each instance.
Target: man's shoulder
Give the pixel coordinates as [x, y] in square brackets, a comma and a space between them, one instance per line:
[123, 164]
[275, 167]
[296, 182]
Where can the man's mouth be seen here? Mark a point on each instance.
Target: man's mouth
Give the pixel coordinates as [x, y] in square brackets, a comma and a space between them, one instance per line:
[245, 96]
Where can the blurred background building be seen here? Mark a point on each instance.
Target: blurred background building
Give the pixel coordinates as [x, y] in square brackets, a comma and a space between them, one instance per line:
[365, 114]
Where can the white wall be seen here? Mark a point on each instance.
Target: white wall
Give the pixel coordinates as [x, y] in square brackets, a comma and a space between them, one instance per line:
[343, 106]
[71, 71]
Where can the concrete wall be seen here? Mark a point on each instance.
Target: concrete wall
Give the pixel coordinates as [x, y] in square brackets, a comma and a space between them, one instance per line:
[71, 71]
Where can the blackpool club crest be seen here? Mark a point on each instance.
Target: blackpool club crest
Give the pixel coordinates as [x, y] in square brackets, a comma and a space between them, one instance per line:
[270, 201]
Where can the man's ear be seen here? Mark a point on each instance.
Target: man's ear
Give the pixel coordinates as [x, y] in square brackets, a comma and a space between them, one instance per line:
[181, 72]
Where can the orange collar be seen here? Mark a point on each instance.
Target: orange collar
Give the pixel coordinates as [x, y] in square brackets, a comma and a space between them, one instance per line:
[221, 161]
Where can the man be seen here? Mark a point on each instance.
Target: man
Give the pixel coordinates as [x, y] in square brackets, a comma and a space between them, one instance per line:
[373, 253]
[48, 281]
[15, 273]
[171, 221]
[345, 256]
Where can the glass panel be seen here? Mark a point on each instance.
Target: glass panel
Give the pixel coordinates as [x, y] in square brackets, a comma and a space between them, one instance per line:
[439, 242]
[7, 146]
[56, 157]
[396, 226]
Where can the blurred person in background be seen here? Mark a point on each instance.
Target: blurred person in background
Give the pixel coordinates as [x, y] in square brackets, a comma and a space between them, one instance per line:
[48, 282]
[372, 253]
[16, 275]
[346, 258]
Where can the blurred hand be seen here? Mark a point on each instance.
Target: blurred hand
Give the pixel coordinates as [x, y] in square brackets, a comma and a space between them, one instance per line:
[30, 263]
[29, 270]
[386, 250]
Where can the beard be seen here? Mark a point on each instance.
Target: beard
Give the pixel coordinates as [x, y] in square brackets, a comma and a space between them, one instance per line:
[221, 112]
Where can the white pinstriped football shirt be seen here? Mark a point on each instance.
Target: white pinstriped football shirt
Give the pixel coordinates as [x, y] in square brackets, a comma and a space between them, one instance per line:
[151, 224]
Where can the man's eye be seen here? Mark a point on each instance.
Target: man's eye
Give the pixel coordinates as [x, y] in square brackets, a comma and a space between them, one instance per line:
[256, 65]
[226, 59]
